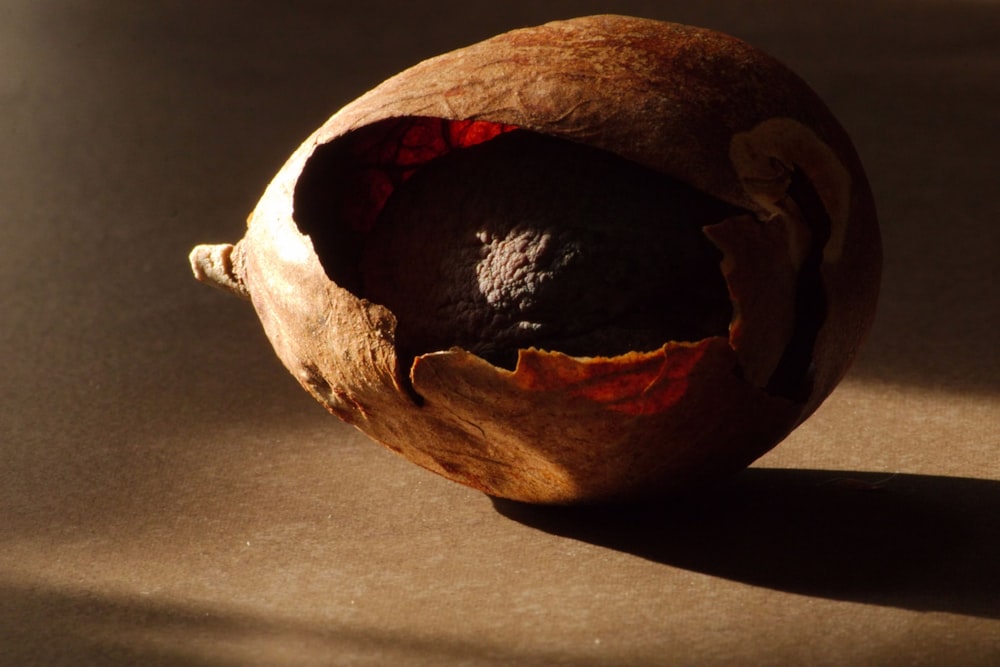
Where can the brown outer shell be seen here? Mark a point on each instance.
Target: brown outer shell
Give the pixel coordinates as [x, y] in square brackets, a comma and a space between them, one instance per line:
[699, 106]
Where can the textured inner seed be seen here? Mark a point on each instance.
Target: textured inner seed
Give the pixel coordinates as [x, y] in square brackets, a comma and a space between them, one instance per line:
[529, 241]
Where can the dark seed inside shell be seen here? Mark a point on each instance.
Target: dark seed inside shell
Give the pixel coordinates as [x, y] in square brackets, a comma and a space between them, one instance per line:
[531, 241]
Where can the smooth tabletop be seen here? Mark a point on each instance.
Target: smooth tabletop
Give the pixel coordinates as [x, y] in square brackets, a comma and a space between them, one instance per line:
[170, 496]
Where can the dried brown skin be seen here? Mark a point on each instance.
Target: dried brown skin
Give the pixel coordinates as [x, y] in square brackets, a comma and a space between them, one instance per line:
[800, 255]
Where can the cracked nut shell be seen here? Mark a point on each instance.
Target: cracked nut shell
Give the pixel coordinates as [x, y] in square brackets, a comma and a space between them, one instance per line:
[596, 259]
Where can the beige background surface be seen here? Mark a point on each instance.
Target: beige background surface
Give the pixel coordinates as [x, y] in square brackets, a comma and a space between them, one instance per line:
[168, 495]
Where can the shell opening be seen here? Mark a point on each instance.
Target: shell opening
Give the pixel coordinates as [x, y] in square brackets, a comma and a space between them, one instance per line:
[517, 240]
[794, 374]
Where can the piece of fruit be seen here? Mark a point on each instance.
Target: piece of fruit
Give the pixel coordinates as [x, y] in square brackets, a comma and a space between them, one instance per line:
[596, 259]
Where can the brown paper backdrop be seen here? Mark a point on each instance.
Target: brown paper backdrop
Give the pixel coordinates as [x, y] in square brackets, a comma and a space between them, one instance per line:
[168, 495]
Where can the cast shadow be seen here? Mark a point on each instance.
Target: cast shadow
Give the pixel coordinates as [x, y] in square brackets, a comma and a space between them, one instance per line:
[55, 625]
[909, 541]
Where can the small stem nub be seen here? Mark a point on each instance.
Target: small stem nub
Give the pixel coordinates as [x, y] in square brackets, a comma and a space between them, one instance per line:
[216, 265]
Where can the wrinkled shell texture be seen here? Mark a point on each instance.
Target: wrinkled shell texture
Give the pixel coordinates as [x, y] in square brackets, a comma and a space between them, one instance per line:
[780, 209]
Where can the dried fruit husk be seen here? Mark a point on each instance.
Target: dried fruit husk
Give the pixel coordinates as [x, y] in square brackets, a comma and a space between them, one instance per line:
[799, 252]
